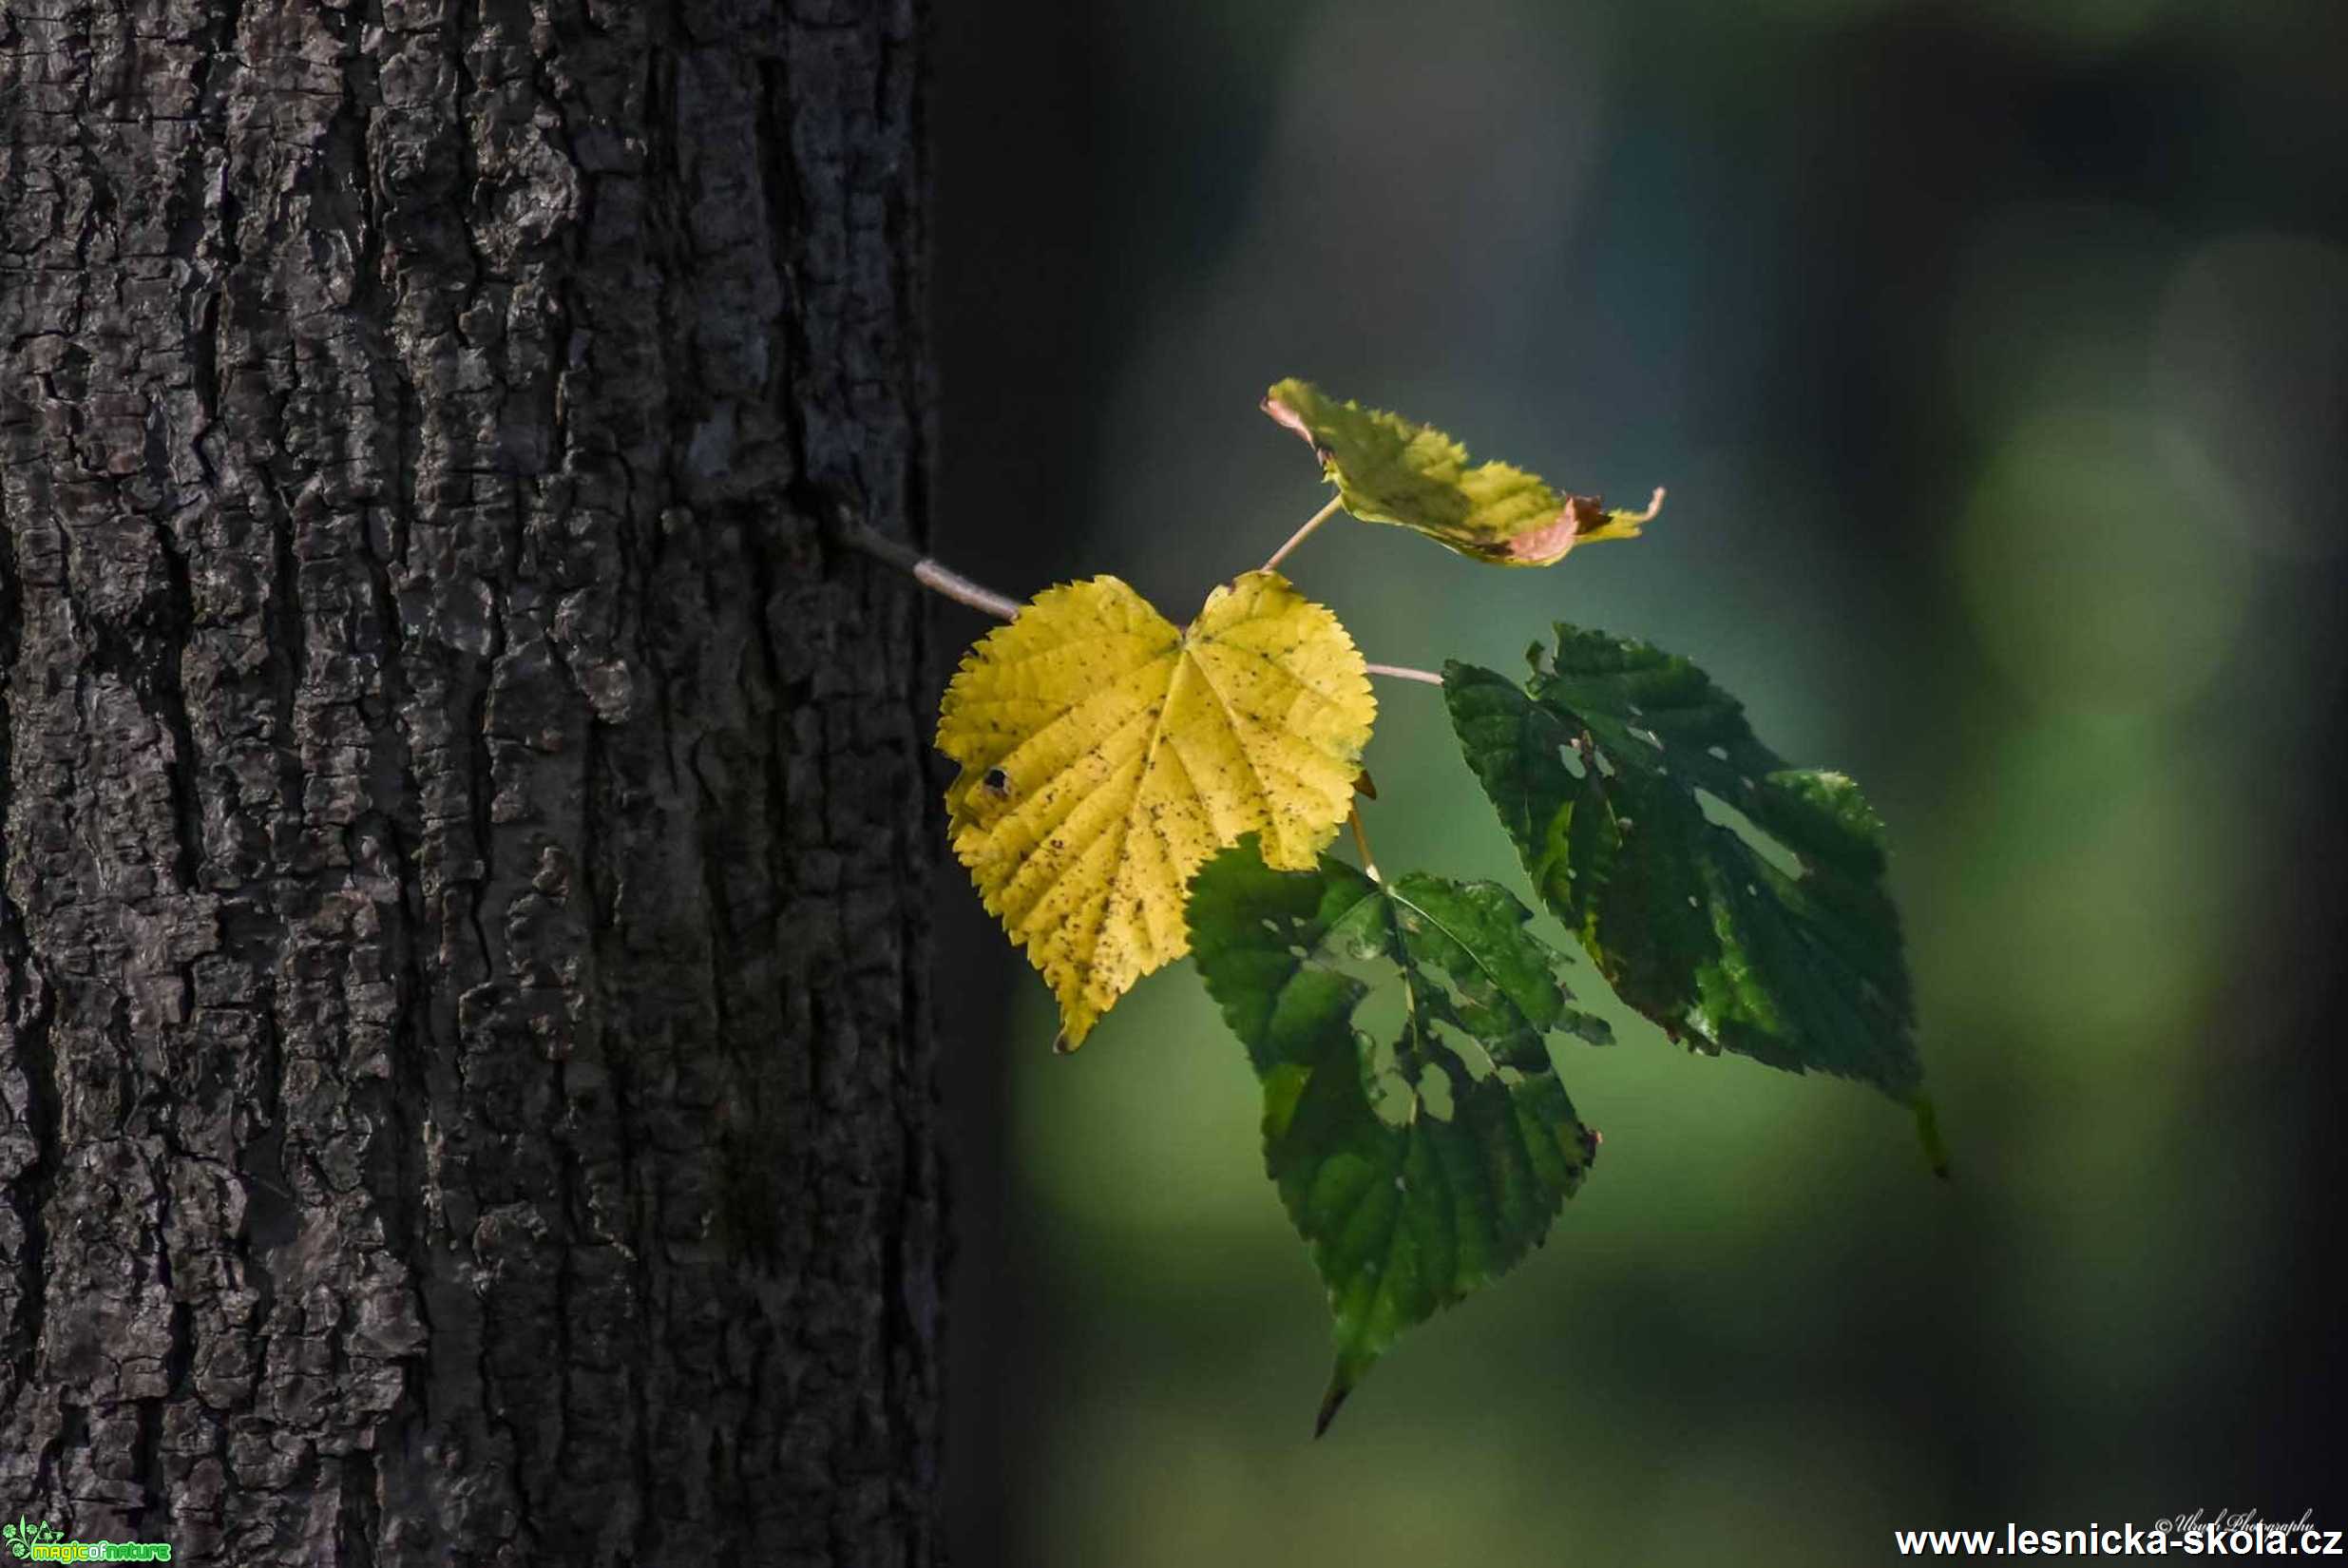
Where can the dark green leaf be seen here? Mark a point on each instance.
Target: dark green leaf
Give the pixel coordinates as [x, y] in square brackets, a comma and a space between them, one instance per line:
[1408, 1202]
[1621, 773]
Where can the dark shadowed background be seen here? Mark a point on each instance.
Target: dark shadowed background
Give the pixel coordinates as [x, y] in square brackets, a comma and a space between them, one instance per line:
[1997, 358]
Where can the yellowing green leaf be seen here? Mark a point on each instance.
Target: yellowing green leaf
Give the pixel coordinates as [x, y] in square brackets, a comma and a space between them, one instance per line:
[1387, 469]
[1105, 756]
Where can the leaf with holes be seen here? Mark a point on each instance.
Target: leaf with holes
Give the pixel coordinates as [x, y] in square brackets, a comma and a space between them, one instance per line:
[1421, 1179]
[1733, 900]
[1106, 755]
[1387, 469]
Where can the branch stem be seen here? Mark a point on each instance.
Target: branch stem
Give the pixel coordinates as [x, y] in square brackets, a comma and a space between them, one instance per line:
[936, 577]
[1306, 532]
[961, 590]
[940, 579]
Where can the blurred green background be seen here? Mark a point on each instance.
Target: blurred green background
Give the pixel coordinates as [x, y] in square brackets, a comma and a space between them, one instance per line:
[1995, 357]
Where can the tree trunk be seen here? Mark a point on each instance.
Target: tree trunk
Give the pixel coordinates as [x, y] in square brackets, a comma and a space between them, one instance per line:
[464, 1057]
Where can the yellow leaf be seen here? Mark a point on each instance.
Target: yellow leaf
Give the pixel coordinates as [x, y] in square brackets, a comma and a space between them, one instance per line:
[1106, 755]
[1387, 469]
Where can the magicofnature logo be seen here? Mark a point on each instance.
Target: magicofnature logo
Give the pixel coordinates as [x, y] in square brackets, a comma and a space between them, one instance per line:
[43, 1542]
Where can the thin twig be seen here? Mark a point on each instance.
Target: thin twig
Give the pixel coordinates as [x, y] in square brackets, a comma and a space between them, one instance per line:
[1302, 534]
[945, 579]
[928, 573]
[1403, 672]
[961, 590]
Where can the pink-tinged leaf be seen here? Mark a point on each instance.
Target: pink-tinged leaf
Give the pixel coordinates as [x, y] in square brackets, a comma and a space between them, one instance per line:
[1387, 469]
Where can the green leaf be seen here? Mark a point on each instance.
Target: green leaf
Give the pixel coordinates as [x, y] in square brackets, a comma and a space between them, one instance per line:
[1621, 773]
[1387, 469]
[1409, 1198]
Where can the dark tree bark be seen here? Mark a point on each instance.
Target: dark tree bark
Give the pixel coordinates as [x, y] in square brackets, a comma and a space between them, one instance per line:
[464, 1065]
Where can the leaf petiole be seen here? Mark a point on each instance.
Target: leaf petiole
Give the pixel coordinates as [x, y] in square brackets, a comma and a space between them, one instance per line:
[1361, 841]
[1306, 532]
[1403, 672]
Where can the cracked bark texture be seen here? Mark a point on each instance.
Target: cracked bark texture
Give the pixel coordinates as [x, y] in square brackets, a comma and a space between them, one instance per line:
[464, 1075]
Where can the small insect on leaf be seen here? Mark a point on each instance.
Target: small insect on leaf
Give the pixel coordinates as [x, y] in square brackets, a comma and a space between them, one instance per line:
[1387, 469]
[1106, 755]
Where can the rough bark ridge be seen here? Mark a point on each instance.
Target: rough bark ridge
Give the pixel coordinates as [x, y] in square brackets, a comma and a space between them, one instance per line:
[463, 1035]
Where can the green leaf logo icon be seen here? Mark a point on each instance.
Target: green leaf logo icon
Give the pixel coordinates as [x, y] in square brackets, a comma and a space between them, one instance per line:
[21, 1538]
